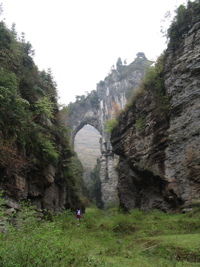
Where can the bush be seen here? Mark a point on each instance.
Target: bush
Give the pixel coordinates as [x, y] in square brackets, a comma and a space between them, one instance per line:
[110, 125]
[184, 19]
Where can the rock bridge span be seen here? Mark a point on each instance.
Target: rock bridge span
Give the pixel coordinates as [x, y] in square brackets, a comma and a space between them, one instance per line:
[101, 105]
[84, 112]
[90, 111]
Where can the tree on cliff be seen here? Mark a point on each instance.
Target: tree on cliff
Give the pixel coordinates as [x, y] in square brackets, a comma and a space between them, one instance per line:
[185, 17]
[141, 55]
[119, 63]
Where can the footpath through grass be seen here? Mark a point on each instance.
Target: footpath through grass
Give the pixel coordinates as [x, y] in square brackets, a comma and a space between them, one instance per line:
[104, 238]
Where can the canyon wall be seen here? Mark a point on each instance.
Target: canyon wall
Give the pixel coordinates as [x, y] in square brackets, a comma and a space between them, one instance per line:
[36, 159]
[159, 148]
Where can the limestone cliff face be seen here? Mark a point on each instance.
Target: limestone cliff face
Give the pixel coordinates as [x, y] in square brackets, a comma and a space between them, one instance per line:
[182, 78]
[43, 189]
[44, 185]
[159, 152]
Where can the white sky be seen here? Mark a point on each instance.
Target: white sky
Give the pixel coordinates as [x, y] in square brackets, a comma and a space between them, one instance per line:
[81, 39]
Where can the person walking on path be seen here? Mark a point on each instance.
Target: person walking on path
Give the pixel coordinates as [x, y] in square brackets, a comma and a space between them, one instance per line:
[78, 215]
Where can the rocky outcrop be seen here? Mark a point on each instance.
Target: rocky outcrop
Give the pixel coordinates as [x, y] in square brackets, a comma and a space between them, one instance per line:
[45, 189]
[159, 152]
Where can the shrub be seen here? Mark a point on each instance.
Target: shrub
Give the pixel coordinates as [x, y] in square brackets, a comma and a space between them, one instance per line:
[110, 125]
[184, 19]
[140, 123]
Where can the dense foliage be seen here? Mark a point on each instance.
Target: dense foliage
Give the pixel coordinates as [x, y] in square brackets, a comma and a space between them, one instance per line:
[104, 238]
[185, 17]
[27, 100]
[31, 133]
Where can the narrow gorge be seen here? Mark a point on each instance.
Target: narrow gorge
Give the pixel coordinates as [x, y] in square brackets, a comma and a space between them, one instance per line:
[152, 158]
[147, 113]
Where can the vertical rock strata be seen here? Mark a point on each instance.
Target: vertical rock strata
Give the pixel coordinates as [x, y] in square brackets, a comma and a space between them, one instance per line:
[159, 164]
[182, 78]
[45, 188]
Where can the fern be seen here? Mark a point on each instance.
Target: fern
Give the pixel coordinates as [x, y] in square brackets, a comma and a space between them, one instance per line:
[44, 106]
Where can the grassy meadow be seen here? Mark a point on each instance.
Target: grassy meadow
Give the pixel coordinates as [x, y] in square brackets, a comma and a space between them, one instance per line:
[103, 238]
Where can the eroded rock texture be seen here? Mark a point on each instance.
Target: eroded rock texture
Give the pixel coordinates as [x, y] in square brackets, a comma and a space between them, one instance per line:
[45, 188]
[159, 153]
[182, 78]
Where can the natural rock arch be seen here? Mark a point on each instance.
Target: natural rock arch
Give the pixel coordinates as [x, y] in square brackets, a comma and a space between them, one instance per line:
[87, 112]
[98, 107]
[84, 112]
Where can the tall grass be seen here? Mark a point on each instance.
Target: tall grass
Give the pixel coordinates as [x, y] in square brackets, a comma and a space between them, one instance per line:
[103, 238]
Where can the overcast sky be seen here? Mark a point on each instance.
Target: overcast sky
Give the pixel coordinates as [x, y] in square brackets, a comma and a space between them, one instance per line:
[81, 39]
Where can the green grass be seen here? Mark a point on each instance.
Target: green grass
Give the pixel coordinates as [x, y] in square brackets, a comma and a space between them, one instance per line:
[104, 238]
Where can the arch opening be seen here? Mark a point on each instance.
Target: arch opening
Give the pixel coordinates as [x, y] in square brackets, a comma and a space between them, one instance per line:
[87, 147]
